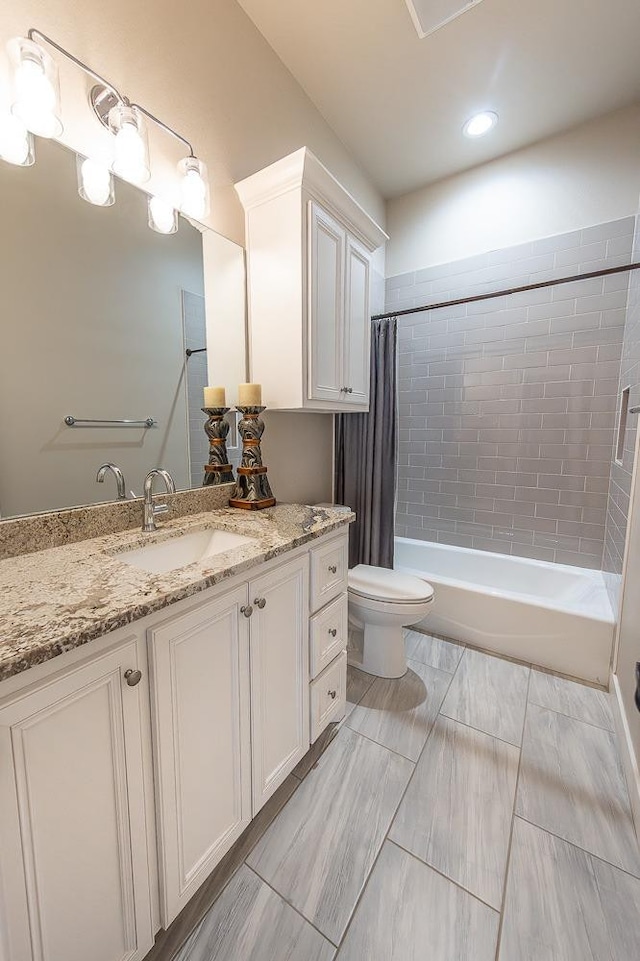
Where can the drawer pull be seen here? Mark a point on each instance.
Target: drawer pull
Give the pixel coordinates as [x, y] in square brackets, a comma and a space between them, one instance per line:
[247, 610]
[332, 694]
[332, 569]
[260, 602]
[132, 677]
[333, 631]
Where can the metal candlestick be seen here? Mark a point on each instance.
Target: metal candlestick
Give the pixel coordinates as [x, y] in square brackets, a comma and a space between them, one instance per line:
[252, 491]
[218, 470]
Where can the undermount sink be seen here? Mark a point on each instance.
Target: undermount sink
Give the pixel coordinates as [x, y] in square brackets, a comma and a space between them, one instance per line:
[177, 552]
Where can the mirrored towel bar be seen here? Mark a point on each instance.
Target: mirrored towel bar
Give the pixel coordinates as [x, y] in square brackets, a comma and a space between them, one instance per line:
[71, 421]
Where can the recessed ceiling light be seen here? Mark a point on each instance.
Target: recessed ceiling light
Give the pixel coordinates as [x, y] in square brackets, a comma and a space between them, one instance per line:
[480, 124]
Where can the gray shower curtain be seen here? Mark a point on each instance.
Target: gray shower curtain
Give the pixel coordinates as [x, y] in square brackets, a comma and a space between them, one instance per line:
[366, 456]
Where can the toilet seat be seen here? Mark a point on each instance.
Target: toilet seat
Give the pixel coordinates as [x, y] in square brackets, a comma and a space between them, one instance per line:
[383, 586]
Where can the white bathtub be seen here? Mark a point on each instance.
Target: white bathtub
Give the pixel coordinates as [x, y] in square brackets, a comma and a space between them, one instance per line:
[552, 615]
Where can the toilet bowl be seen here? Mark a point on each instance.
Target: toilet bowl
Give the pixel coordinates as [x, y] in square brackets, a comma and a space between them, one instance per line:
[381, 603]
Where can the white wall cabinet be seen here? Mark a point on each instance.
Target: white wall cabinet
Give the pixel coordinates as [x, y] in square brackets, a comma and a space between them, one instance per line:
[73, 851]
[309, 250]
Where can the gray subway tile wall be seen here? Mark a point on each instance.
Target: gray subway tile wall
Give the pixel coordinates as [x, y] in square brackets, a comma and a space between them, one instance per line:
[621, 472]
[508, 406]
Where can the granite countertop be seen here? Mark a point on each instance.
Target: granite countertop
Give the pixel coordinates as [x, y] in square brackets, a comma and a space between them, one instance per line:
[57, 599]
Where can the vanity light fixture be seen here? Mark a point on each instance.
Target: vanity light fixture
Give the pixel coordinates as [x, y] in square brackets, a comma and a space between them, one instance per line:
[480, 124]
[95, 182]
[163, 217]
[36, 88]
[16, 142]
[36, 110]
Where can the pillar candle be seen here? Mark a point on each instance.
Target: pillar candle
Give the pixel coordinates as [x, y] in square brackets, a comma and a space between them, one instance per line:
[249, 395]
[214, 397]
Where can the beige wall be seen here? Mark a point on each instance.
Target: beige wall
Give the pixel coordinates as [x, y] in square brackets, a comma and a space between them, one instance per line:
[587, 176]
[205, 69]
[91, 326]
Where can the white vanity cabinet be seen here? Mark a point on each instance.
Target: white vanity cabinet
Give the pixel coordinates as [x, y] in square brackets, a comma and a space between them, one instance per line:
[129, 767]
[74, 860]
[309, 250]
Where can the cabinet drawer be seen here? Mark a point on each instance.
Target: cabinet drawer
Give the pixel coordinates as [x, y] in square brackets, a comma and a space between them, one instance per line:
[328, 634]
[329, 695]
[329, 568]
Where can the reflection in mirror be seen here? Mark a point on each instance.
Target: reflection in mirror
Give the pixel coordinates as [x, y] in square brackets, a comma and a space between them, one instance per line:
[97, 313]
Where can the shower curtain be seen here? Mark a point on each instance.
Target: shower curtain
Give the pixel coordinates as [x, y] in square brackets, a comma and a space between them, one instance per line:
[366, 456]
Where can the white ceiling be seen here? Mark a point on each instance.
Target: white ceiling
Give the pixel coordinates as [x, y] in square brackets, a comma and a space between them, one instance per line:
[398, 102]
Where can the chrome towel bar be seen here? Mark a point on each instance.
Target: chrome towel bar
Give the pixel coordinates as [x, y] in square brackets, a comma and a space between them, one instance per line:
[71, 421]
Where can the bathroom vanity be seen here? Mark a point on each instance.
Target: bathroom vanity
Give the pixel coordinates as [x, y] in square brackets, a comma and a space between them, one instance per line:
[146, 717]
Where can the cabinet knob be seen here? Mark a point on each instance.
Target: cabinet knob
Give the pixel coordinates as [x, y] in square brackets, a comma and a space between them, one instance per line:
[247, 610]
[333, 631]
[260, 602]
[349, 390]
[332, 569]
[332, 694]
[132, 677]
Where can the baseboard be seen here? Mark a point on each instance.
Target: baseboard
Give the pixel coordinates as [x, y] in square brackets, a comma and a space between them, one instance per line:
[627, 753]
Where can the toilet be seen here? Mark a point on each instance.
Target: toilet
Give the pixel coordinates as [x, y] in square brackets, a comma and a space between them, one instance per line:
[381, 603]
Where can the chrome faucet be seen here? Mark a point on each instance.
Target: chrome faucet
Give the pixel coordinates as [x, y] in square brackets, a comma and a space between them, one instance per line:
[151, 510]
[119, 476]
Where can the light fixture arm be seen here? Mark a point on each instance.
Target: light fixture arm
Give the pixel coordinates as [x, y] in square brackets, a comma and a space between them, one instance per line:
[35, 34]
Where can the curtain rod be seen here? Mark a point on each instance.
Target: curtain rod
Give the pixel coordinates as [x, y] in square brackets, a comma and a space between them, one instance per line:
[511, 290]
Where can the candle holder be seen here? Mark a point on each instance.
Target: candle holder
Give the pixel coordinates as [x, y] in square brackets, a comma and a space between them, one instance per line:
[252, 492]
[218, 470]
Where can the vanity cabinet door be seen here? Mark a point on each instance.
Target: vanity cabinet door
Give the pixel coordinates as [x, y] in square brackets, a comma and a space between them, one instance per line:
[74, 871]
[200, 705]
[279, 675]
[326, 306]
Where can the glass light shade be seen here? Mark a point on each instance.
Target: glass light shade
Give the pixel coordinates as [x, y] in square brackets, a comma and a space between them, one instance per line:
[36, 89]
[480, 124]
[16, 143]
[163, 217]
[194, 188]
[95, 182]
[131, 149]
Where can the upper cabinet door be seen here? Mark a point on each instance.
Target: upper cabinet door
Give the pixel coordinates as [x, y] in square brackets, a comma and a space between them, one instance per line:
[73, 840]
[279, 675]
[357, 323]
[326, 305]
[200, 702]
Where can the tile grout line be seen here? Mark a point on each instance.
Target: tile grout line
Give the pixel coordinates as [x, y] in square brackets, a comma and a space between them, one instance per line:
[513, 818]
[386, 836]
[446, 877]
[599, 727]
[479, 730]
[292, 906]
[573, 844]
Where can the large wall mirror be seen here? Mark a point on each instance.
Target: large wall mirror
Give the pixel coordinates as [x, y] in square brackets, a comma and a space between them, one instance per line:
[98, 312]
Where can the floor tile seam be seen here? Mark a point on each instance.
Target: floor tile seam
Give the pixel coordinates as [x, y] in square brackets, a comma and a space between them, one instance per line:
[292, 906]
[578, 847]
[372, 740]
[479, 730]
[442, 874]
[440, 670]
[572, 717]
[505, 881]
[365, 885]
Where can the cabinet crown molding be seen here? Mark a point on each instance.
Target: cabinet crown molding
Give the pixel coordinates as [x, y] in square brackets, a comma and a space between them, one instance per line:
[302, 170]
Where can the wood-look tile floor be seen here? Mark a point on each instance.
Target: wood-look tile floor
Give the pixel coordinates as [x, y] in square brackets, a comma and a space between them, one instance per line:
[474, 810]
